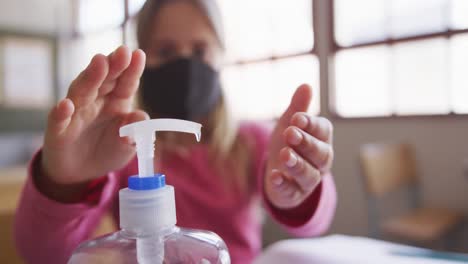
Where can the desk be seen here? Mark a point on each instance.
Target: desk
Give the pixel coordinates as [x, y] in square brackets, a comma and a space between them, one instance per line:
[337, 249]
[11, 184]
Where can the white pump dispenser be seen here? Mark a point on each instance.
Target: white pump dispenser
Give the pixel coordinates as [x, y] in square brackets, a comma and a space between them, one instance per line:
[147, 206]
[149, 234]
[143, 133]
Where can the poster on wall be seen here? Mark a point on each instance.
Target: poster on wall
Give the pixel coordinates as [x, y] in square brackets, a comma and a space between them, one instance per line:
[26, 72]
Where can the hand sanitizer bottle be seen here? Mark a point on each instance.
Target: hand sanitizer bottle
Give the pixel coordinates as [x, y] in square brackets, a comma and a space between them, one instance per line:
[148, 214]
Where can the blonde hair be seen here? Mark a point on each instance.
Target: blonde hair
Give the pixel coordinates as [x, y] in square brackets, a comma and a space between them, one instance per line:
[227, 149]
[208, 8]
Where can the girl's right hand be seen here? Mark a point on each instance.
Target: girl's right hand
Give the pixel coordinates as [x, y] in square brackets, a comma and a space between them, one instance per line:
[82, 136]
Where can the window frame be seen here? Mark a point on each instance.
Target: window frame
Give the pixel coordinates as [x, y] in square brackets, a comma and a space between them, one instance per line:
[325, 57]
[389, 41]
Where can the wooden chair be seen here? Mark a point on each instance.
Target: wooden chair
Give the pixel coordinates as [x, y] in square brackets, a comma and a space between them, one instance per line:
[388, 168]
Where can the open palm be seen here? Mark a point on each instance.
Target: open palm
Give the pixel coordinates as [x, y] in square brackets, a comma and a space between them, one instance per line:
[82, 140]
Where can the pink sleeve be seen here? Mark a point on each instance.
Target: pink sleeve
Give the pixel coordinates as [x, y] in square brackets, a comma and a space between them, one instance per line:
[314, 216]
[47, 231]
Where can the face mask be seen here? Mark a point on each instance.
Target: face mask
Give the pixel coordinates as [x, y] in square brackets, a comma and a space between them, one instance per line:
[185, 88]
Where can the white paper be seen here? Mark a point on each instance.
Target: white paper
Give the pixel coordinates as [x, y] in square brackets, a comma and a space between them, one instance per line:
[341, 249]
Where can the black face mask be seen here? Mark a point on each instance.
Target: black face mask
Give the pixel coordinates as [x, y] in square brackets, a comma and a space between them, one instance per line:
[185, 88]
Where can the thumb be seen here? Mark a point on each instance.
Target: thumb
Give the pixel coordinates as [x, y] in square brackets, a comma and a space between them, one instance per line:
[300, 101]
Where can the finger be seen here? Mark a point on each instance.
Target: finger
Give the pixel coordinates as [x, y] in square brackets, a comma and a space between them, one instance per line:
[59, 118]
[299, 170]
[299, 103]
[130, 79]
[318, 127]
[133, 117]
[284, 187]
[315, 151]
[118, 61]
[84, 89]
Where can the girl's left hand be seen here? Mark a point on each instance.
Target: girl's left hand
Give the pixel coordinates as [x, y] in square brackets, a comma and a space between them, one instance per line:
[300, 152]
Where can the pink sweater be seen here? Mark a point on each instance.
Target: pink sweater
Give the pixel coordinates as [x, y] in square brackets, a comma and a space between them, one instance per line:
[47, 231]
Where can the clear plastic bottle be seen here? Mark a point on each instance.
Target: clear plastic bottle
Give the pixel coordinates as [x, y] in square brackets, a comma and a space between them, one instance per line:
[148, 217]
[179, 245]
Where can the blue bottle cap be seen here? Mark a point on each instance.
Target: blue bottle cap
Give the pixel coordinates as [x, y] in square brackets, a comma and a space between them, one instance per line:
[146, 183]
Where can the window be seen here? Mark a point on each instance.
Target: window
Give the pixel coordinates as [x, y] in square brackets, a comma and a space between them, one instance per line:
[263, 28]
[99, 15]
[31, 57]
[368, 96]
[400, 57]
[459, 76]
[86, 46]
[134, 6]
[269, 54]
[420, 77]
[263, 90]
[98, 28]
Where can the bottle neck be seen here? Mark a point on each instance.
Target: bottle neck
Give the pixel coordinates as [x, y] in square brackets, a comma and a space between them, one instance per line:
[133, 234]
[147, 212]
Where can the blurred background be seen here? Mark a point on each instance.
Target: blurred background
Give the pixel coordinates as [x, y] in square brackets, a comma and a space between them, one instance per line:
[392, 75]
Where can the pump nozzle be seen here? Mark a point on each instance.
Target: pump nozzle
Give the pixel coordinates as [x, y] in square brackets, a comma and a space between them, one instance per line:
[143, 133]
[147, 194]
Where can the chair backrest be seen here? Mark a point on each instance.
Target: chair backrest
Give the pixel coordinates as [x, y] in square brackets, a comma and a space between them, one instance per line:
[387, 167]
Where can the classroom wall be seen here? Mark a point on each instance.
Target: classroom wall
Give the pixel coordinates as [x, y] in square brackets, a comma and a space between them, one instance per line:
[17, 148]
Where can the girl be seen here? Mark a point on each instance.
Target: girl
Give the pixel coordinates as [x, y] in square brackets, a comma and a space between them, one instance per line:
[219, 183]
